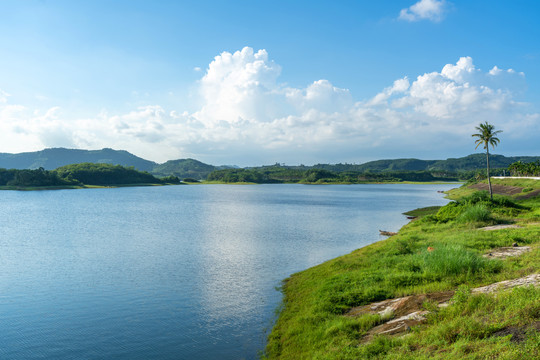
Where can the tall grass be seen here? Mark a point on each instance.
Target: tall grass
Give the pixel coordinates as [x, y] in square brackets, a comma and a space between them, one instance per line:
[475, 213]
[450, 261]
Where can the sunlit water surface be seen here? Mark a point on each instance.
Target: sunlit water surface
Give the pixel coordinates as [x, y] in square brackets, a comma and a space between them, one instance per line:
[178, 272]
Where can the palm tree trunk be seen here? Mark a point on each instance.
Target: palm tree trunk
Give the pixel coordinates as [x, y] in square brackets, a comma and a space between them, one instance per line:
[489, 181]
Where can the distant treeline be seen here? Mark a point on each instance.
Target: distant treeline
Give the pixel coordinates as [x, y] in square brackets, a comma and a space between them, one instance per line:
[80, 174]
[283, 174]
[525, 169]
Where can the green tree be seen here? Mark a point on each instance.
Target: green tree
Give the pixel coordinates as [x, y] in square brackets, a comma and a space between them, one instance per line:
[487, 136]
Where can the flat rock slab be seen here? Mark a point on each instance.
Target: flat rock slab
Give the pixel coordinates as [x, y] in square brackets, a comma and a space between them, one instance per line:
[401, 306]
[407, 311]
[505, 252]
[500, 227]
[533, 280]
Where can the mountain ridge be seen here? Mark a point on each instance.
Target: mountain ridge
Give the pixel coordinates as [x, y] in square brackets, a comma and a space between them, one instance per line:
[52, 158]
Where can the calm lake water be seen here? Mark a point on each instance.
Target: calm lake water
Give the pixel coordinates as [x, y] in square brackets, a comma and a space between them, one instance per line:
[176, 272]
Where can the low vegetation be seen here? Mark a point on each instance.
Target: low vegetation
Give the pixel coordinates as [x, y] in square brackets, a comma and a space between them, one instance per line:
[441, 250]
[278, 174]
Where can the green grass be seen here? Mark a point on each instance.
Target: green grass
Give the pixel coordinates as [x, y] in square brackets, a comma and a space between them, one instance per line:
[524, 183]
[420, 212]
[311, 324]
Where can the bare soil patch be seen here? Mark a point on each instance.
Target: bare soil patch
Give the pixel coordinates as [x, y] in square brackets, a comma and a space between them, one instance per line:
[529, 195]
[518, 333]
[507, 190]
[499, 189]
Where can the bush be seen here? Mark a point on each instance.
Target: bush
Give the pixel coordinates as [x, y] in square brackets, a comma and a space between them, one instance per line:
[449, 212]
[475, 198]
[190, 180]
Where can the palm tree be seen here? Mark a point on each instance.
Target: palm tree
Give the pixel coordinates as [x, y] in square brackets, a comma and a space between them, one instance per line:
[487, 136]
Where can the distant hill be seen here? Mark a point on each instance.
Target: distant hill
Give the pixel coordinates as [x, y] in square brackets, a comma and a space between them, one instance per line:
[467, 163]
[478, 161]
[50, 159]
[53, 158]
[184, 168]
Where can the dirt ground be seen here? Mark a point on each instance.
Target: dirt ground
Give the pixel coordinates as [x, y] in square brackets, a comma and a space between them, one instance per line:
[506, 190]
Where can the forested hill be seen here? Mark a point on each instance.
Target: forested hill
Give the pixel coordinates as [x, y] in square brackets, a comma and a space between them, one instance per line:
[79, 175]
[185, 168]
[53, 158]
[467, 163]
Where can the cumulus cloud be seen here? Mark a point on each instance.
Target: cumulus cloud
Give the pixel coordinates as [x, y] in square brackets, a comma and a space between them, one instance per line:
[247, 116]
[239, 87]
[432, 10]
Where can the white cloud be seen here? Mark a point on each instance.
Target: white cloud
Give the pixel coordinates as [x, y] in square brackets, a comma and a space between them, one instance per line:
[432, 10]
[3, 96]
[247, 116]
[240, 87]
[399, 86]
[458, 92]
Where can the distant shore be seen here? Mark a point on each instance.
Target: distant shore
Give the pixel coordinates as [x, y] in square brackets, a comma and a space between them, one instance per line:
[75, 187]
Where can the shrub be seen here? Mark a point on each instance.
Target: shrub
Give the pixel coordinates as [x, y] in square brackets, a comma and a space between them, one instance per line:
[449, 212]
[475, 213]
[474, 198]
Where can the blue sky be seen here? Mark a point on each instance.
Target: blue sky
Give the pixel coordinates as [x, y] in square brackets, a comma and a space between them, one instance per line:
[259, 82]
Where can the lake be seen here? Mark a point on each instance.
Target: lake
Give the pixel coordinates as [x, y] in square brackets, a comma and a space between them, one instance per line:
[172, 272]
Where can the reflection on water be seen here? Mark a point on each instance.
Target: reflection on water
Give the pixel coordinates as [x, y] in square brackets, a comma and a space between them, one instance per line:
[179, 272]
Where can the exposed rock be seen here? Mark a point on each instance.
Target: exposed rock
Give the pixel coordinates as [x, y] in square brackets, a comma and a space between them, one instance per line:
[400, 306]
[500, 227]
[387, 233]
[409, 311]
[533, 279]
[504, 252]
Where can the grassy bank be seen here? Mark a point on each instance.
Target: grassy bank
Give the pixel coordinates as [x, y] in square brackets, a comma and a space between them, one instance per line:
[441, 250]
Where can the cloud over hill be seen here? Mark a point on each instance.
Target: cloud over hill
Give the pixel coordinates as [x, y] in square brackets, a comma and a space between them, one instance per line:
[247, 111]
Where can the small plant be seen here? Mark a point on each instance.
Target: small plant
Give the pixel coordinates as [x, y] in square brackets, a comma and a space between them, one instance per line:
[462, 294]
[404, 246]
